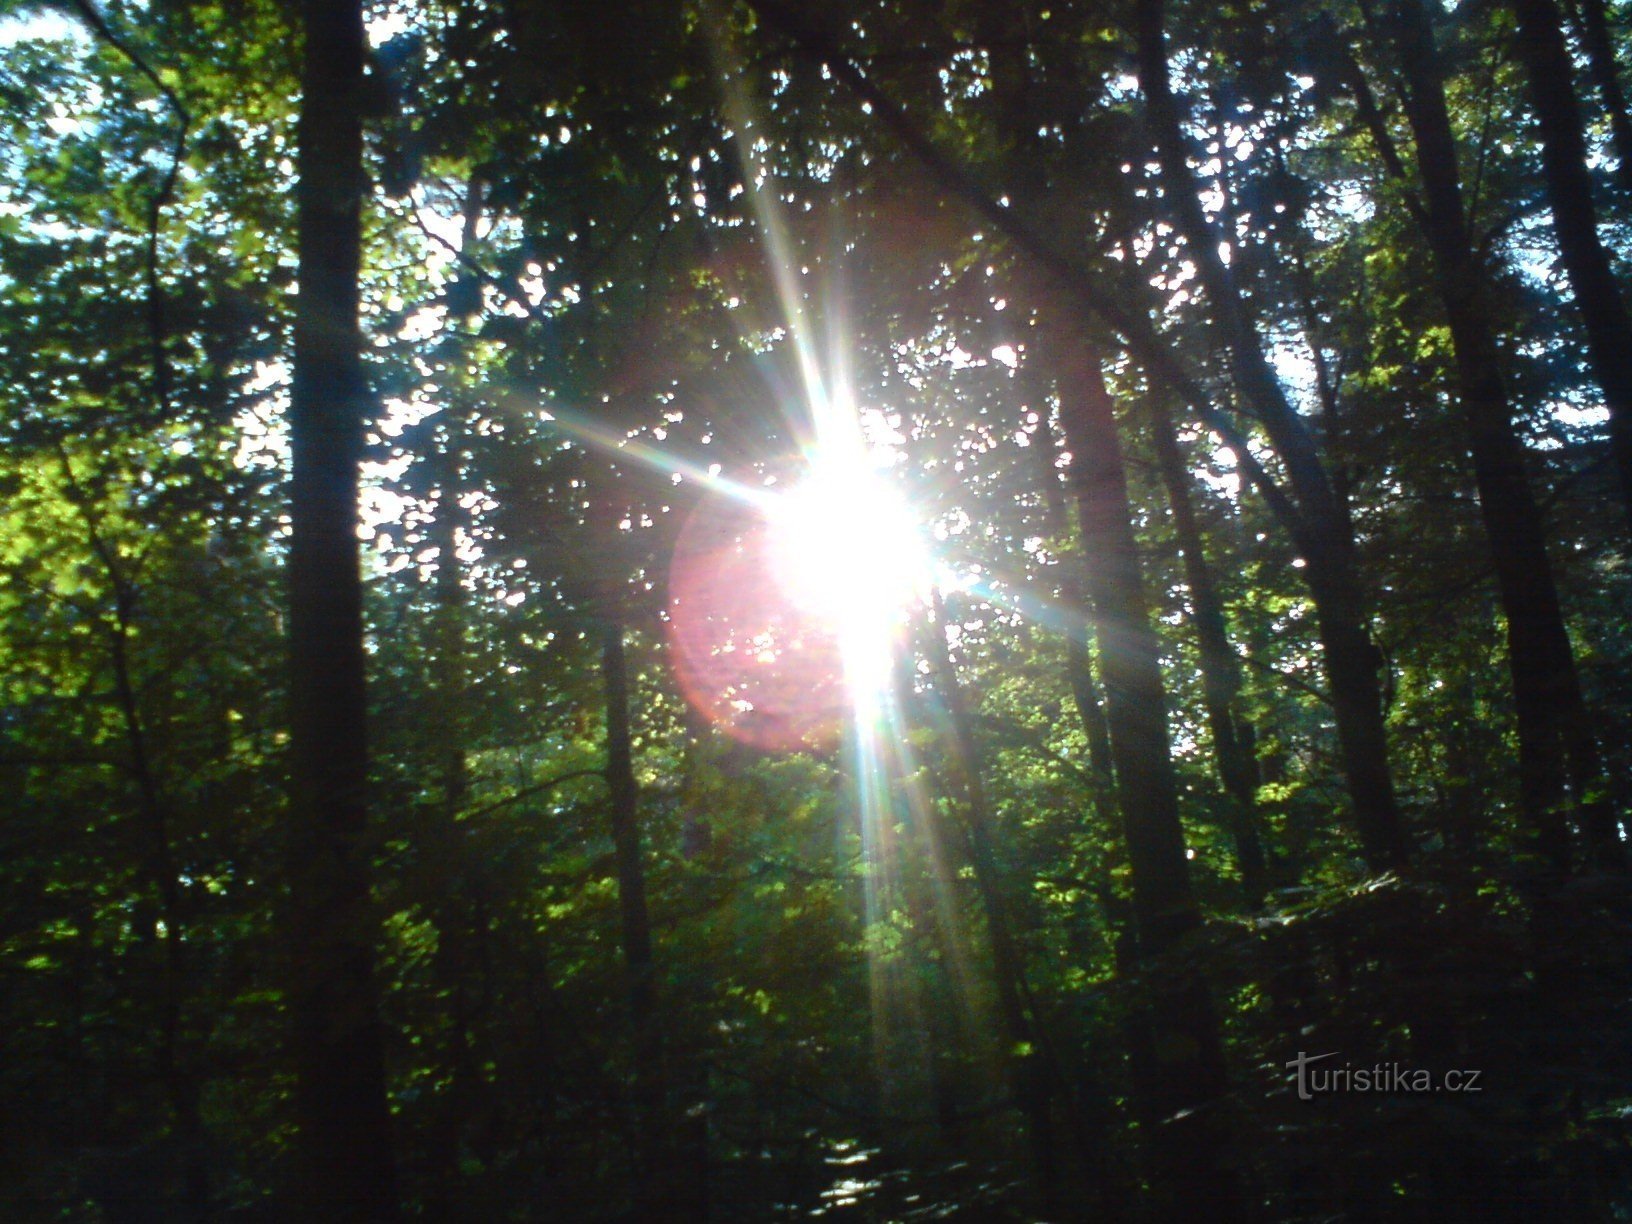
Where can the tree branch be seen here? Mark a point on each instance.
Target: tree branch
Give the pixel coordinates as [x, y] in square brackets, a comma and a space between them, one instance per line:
[1073, 280]
[161, 199]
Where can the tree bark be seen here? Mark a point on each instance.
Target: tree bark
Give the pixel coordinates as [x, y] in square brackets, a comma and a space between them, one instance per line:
[653, 1187]
[1575, 222]
[1030, 1071]
[1220, 668]
[1079, 662]
[460, 923]
[343, 1148]
[1592, 21]
[1184, 1074]
[1321, 526]
[1556, 745]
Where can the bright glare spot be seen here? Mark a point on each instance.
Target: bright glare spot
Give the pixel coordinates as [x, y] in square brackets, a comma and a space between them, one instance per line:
[847, 549]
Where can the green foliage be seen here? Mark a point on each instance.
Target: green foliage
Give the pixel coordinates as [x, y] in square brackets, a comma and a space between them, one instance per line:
[607, 232]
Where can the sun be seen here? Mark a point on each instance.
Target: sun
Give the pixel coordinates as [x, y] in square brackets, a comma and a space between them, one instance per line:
[787, 604]
[847, 549]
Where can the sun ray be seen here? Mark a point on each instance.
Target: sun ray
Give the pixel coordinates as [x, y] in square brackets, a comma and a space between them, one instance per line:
[790, 600]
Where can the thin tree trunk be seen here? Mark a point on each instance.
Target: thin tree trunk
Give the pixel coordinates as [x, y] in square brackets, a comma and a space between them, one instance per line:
[652, 1140]
[459, 933]
[460, 917]
[1592, 19]
[690, 1085]
[1092, 1116]
[449, 638]
[1182, 1082]
[1220, 668]
[444, 534]
[1575, 222]
[1556, 745]
[1079, 663]
[181, 1087]
[343, 1148]
[1323, 533]
[1031, 1071]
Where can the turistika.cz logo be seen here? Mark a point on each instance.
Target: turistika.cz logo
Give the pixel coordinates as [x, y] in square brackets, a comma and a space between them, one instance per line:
[1315, 1077]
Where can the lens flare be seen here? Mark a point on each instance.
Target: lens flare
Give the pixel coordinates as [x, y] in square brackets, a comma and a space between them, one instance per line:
[785, 608]
[846, 549]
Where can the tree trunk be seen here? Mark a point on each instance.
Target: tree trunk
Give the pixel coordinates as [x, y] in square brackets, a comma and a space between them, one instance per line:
[1182, 1082]
[1031, 1071]
[451, 604]
[1322, 530]
[448, 699]
[1220, 668]
[459, 925]
[1592, 21]
[652, 1140]
[1556, 745]
[343, 1149]
[1575, 222]
[1079, 662]
[460, 916]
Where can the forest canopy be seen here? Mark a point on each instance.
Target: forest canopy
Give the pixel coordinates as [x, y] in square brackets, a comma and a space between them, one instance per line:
[683, 610]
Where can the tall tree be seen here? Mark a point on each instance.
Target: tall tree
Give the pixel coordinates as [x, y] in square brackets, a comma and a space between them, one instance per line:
[1326, 537]
[345, 1167]
[1182, 1075]
[1030, 1059]
[636, 926]
[1220, 668]
[1592, 21]
[1598, 296]
[1556, 744]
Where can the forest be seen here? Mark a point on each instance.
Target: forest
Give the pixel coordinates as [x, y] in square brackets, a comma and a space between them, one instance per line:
[734, 610]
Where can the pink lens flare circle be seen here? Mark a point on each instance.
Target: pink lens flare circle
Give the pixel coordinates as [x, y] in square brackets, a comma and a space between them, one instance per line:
[761, 668]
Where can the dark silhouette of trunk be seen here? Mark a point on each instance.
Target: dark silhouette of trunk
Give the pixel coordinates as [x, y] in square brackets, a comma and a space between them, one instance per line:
[1079, 662]
[343, 1149]
[1556, 744]
[444, 528]
[459, 922]
[182, 1088]
[1592, 24]
[1032, 1071]
[652, 1144]
[1023, 162]
[1220, 668]
[1326, 378]
[461, 919]
[1085, 696]
[449, 631]
[935, 1014]
[1321, 526]
[1092, 1117]
[1575, 222]
[1181, 1083]
[1135, 700]
[690, 1080]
